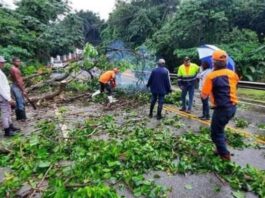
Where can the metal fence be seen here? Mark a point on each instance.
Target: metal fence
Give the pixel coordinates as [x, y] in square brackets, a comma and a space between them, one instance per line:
[241, 84]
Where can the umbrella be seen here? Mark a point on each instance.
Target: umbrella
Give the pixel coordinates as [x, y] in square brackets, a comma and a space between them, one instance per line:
[205, 55]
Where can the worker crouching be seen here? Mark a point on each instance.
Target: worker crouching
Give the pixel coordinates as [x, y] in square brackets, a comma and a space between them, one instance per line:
[221, 86]
[107, 82]
[159, 83]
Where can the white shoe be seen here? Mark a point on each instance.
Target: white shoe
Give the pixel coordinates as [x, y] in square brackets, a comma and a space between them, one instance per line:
[111, 99]
[96, 93]
[114, 100]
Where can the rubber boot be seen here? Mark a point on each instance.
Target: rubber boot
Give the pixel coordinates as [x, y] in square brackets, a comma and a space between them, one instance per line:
[151, 110]
[9, 132]
[23, 115]
[18, 114]
[13, 128]
[159, 113]
[96, 93]
[110, 98]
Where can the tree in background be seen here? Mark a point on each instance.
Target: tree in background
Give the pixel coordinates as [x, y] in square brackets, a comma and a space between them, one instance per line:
[38, 29]
[92, 26]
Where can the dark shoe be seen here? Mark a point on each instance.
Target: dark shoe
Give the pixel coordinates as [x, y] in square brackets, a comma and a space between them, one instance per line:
[201, 117]
[182, 109]
[23, 115]
[226, 157]
[9, 132]
[205, 118]
[159, 112]
[151, 110]
[18, 114]
[159, 117]
[14, 128]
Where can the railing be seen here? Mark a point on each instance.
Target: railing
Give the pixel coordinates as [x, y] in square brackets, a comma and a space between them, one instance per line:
[241, 84]
[252, 85]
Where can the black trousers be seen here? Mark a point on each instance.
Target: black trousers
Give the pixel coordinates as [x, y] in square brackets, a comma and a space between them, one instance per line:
[106, 86]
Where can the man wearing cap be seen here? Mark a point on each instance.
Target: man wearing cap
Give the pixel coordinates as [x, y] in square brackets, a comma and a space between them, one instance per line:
[186, 80]
[159, 83]
[5, 102]
[221, 86]
[107, 82]
[18, 89]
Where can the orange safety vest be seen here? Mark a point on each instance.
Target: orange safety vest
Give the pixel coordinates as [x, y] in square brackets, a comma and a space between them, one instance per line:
[107, 76]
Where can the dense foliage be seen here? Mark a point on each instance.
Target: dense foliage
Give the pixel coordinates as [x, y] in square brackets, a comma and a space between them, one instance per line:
[172, 29]
[36, 30]
[175, 28]
[84, 165]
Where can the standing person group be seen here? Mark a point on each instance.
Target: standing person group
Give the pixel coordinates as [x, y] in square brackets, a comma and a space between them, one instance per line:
[6, 102]
[219, 84]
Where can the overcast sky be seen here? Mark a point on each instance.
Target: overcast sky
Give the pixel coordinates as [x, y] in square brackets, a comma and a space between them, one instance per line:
[102, 7]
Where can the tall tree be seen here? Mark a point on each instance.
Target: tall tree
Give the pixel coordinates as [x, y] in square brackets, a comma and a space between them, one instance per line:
[92, 25]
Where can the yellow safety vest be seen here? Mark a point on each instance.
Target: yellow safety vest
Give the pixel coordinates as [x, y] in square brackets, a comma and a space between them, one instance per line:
[188, 73]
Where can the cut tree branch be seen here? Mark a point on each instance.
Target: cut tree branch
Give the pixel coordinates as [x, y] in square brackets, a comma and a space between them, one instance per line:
[50, 96]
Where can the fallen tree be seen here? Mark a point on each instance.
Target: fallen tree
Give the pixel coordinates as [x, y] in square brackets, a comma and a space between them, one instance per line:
[50, 96]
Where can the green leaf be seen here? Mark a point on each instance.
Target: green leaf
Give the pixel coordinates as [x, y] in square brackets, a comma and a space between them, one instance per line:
[238, 194]
[188, 187]
[44, 164]
[34, 141]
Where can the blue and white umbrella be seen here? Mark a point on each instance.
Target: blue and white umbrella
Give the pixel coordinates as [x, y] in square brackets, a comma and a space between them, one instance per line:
[205, 55]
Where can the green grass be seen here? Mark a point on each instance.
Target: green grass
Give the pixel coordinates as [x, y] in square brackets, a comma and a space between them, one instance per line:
[251, 94]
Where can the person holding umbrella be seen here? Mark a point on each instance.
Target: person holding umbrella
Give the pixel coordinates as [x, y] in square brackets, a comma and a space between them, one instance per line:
[186, 80]
[221, 86]
[205, 70]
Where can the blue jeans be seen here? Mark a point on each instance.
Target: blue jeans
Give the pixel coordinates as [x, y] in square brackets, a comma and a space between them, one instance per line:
[18, 95]
[187, 89]
[221, 116]
[205, 107]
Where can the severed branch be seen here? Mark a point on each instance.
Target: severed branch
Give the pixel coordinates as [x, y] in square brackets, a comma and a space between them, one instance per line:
[35, 75]
[47, 82]
[220, 179]
[50, 96]
[76, 97]
[40, 183]
[4, 150]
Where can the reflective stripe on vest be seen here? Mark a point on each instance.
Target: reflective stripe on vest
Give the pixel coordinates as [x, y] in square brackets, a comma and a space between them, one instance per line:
[192, 72]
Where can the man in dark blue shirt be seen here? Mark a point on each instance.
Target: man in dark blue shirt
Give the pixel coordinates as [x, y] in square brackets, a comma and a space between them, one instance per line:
[159, 83]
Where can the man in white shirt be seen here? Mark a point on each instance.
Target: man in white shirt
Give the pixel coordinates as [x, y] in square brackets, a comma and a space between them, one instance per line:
[5, 102]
